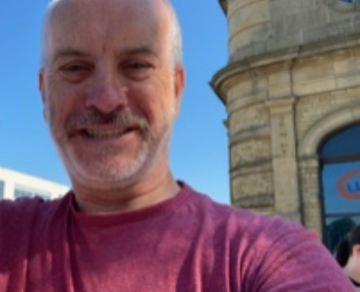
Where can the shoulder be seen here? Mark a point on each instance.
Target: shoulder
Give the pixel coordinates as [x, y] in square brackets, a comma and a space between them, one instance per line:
[23, 222]
[270, 253]
[25, 209]
[27, 218]
[253, 237]
[240, 221]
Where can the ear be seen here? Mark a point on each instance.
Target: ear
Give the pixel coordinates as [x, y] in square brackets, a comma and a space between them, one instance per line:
[179, 85]
[41, 81]
[356, 250]
[41, 85]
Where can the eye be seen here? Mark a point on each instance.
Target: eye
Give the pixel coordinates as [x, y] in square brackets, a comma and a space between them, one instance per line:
[75, 71]
[138, 65]
[137, 70]
[74, 68]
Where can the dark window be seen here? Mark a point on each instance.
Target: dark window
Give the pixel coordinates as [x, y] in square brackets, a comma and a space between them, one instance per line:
[2, 189]
[340, 177]
[349, 1]
[24, 192]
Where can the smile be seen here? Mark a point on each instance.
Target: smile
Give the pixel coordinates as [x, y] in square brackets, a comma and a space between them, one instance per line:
[105, 134]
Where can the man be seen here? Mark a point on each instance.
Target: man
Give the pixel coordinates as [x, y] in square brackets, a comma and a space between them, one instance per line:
[348, 255]
[111, 82]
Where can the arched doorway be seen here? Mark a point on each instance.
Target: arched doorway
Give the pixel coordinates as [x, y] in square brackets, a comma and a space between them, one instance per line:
[340, 182]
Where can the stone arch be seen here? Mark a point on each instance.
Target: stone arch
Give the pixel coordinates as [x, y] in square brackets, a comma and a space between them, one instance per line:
[329, 123]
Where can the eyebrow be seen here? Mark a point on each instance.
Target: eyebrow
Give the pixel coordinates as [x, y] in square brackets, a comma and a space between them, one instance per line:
[130, 51]
[68, 52]
[138, 50]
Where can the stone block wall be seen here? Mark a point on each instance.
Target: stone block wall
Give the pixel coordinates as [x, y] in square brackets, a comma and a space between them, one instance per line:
[278, 114]
[293, 78]
[263, 26]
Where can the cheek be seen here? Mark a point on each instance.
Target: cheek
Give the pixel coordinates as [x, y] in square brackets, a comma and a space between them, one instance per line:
[60, 104]
[155, 107]
[54, 113]
[161, 100]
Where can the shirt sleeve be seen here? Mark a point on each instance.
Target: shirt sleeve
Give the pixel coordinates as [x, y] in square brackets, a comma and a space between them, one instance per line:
[294, 260]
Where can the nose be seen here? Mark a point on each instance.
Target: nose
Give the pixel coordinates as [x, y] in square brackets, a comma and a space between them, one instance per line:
[106, 94]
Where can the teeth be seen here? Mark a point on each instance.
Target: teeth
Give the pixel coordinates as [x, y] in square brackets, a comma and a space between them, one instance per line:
[105, 134]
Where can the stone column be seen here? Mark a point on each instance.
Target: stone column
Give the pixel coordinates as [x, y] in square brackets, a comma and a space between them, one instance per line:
[285, 168]
[310, 192]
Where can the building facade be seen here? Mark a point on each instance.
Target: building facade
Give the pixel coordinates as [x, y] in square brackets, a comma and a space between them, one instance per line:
[292, 93]
[14, 185]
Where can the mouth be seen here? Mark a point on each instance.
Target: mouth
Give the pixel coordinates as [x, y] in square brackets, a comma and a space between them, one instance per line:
[105, 134]
[96, 126]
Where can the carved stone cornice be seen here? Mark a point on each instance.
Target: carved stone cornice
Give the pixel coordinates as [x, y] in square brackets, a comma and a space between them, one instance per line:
[252, 63]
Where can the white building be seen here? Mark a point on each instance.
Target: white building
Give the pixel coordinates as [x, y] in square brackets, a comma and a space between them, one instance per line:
[14, 185]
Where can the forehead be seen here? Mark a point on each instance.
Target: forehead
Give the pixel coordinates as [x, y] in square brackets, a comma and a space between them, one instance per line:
[105, 24]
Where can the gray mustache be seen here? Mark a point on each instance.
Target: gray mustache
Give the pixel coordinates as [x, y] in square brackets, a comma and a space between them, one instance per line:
[119, 118]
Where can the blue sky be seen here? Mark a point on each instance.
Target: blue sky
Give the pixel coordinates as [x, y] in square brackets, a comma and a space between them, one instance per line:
[199, 151]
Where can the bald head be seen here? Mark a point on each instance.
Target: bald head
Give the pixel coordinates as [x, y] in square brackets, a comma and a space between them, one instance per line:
[60, 11]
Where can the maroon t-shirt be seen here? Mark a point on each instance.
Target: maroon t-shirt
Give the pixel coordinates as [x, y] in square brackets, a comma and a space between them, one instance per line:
[186, 244]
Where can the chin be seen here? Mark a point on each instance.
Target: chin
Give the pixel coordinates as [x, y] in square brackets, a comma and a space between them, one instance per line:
[108, 175]
[112, 170]
[104, 184]
[111, 179]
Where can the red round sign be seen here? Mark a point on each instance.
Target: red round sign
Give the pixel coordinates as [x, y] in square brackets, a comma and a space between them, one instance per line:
[343, 189]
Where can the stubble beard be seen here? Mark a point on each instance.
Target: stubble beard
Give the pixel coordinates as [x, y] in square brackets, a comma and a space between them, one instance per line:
[104, 173]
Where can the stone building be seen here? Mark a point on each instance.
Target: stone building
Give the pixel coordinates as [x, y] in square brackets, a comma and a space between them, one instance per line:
[292, 93]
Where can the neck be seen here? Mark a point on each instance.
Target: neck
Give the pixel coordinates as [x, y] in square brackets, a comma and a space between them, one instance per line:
[150, 191]
[354, 274]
